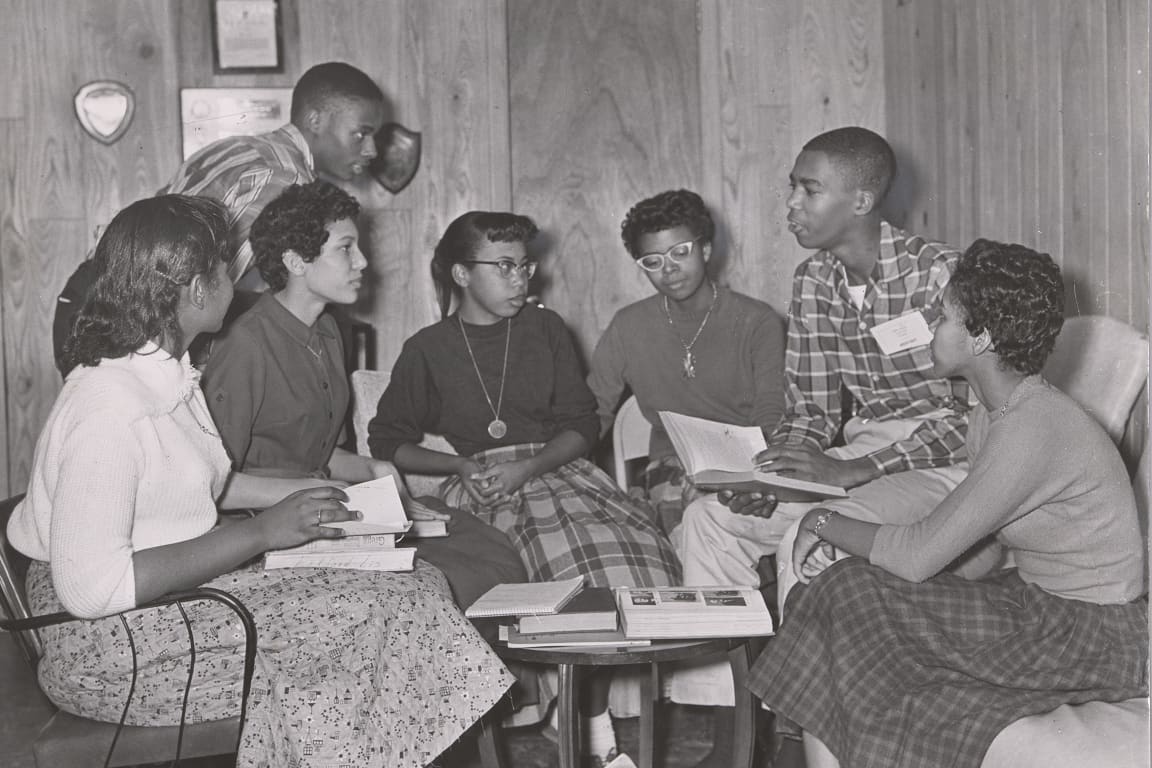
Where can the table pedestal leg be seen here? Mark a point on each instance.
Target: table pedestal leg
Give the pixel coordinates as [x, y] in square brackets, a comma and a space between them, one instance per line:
[745, 711]
[567, 724]
[492, 740]
[649, 694]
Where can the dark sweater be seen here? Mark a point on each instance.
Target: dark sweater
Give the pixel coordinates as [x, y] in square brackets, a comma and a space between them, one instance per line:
[434, 387]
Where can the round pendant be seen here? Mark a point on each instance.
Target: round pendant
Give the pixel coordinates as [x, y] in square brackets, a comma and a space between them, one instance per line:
[497, 429]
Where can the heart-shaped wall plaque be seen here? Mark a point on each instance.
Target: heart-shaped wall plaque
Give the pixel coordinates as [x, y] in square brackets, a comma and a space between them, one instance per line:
[104, 109]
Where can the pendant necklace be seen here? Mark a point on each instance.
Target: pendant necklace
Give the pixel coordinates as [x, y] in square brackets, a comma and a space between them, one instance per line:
[689, 362]
[496, 428]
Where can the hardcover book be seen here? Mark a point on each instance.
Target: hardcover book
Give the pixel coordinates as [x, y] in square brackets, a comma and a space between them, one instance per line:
[690, 612]
[718, 456]
[528, 599]
[592, 609]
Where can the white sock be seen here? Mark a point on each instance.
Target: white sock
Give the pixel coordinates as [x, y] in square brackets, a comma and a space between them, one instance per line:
[599, 734]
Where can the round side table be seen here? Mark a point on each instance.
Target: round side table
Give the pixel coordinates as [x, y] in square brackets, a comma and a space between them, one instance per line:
[568, 659]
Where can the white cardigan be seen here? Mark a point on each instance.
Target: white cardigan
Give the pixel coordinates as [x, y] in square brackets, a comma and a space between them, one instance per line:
[129, 459]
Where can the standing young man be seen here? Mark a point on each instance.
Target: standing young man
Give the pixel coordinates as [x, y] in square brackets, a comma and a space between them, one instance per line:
[336, 112]
[859, 321]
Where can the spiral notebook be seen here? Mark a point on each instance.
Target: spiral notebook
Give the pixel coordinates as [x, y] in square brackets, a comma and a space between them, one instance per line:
[530, 599]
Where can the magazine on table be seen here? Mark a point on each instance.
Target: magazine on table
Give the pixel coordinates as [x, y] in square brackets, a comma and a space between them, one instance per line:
[691, 612]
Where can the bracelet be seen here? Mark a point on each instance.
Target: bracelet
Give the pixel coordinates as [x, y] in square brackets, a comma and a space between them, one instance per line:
[821, 520]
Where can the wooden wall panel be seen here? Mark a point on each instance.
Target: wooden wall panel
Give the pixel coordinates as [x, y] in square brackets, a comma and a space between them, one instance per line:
[604, 112]
[12, 229]
[1042, 137]
[1044, 134]
[443, 67]
[772, 76]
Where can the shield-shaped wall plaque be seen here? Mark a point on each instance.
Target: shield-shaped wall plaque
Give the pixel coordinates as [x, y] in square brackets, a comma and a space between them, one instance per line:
[397, 156]
[104, 109]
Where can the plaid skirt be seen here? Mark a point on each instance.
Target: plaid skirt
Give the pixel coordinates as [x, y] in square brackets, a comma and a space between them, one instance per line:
[575, 521]
[668, 490]
[352, 667]
[890, 674]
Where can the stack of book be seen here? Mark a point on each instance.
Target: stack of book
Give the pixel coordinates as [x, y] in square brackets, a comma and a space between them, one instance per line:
[692, 612]
[368, 544]
[554, 614]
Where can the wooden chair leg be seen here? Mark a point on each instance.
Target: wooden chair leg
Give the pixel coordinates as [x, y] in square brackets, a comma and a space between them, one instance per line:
[649, 695]
[567, 722]
[743, 748]
[491, 739]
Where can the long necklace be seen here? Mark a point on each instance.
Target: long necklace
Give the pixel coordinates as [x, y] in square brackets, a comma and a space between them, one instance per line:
[496, 427]
[689, 362]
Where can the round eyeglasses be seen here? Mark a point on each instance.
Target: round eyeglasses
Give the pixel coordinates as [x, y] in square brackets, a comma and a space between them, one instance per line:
[507, 267]
[654, 262]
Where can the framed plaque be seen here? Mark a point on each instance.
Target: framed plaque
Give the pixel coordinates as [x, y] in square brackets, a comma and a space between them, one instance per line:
[246, 36]
[208, 114]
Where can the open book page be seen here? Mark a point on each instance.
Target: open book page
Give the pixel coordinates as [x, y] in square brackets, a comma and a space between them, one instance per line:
[784, 486]
[379, 502]
[704, 444]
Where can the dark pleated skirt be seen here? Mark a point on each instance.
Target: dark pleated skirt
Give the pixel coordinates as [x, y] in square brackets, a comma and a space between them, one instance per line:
[890, 673]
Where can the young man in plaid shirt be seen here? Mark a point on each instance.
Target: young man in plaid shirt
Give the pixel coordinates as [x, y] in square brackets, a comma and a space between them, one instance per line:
[858, 323]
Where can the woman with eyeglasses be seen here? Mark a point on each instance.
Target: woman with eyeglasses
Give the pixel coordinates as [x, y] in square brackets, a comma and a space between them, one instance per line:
[501, 380]
[694, 347]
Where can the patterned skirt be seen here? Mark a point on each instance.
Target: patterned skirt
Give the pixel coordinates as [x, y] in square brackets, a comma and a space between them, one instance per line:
[893, 674]
[575, 521]
[353, 667]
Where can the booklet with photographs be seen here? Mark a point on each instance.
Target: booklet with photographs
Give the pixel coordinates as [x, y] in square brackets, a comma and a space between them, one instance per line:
[718, 457]
[689, 612]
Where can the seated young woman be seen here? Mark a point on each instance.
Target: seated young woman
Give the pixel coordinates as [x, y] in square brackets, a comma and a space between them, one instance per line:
[694, 347]
[129, 471]
[885, 659]
[277, 388]
[500, 379]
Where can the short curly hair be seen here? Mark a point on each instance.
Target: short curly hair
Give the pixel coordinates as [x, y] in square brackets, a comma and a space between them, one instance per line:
[297, 221]
[674, 208]
[1014, 293]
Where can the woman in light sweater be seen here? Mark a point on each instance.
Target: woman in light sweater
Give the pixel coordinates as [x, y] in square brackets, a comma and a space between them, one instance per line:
[129, 471]
[884, 659]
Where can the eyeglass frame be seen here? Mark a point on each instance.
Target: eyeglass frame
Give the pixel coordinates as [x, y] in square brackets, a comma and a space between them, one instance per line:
[667, 254]
[507, 267]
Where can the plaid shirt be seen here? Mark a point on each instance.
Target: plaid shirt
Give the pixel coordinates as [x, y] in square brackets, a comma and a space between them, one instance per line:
[829, 345]
[245, 173]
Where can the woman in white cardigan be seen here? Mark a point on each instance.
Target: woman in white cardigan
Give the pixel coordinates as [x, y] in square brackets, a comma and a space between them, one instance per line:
[354, 667]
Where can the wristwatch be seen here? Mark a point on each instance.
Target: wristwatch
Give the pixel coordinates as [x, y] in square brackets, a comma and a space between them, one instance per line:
[821, 520]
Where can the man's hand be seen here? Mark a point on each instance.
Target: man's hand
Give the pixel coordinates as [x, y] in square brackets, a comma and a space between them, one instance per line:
[755, 504]
[806, 462]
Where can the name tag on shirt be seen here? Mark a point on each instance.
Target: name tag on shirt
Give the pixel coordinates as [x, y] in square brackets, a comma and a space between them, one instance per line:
[903, 333]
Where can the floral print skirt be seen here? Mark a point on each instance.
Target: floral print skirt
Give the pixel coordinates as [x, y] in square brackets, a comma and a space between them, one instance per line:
[354, 668]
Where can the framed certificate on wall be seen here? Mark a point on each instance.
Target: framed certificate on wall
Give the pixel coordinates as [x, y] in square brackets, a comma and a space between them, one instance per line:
[246, 36]
[208, 114]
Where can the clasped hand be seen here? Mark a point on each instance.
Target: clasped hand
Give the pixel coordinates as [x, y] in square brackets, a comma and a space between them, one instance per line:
[494, 484]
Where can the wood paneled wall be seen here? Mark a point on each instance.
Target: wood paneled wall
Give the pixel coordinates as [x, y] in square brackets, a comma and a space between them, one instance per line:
[443, 64]
[1023, 120]
[1028, 121]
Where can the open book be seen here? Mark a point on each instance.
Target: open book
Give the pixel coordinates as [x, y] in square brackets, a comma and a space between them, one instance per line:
[379, 502]
[718, 456]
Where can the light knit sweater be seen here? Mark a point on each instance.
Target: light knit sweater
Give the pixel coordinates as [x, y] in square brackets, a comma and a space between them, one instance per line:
[129, 459]
[1048, 482]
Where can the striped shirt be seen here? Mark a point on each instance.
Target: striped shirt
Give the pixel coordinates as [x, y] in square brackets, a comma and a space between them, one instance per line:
[245, 173]
[830, 345]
